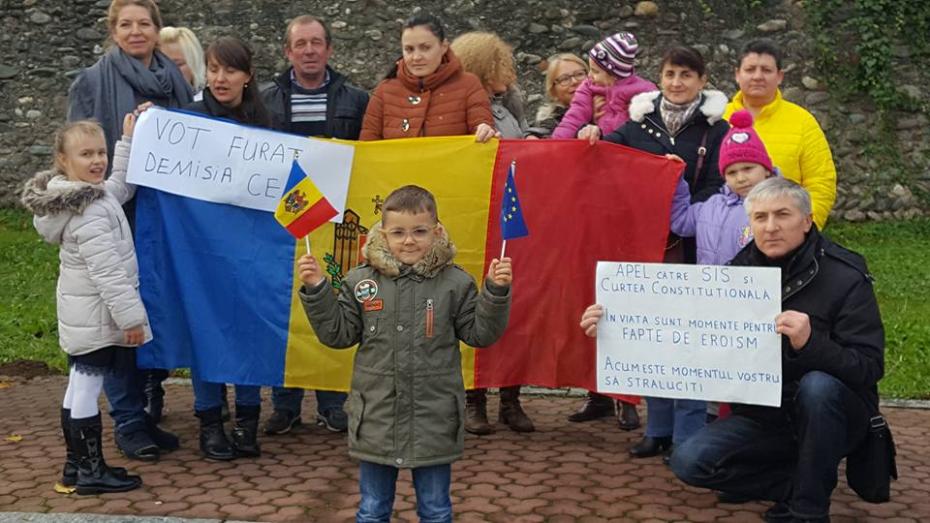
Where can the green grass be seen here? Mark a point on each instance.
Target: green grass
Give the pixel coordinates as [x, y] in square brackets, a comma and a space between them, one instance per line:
[28, 274]
[898, 254]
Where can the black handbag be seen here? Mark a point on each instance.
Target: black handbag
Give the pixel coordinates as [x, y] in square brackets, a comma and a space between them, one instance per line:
[871, 467]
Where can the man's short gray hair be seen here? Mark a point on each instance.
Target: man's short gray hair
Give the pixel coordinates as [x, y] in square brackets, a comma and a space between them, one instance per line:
[777, 187]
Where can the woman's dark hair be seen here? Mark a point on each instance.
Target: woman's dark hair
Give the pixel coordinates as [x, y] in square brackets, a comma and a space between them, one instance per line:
[683, 56]
[229, 51]
[431, 22]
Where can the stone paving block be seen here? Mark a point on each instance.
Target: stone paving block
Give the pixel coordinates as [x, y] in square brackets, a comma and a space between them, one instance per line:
[563, 507]
[563, 472]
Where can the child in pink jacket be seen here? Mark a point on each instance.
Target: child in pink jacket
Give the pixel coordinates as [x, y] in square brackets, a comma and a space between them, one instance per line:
[611, 76]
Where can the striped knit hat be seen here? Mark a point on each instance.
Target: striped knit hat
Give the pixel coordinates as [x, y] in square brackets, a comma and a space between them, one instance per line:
[616, 54]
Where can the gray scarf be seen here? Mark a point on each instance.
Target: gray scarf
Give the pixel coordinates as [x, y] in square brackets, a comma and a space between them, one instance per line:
[675, 115]
[125, 83]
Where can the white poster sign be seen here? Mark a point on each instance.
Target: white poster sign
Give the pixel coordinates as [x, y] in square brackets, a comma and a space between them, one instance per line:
[223, 162]
[689, 331]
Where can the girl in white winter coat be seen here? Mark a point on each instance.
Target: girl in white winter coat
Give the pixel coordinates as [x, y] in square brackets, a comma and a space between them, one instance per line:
[101, 318]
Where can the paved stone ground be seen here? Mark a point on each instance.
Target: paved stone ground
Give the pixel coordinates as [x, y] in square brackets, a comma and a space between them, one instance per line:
[563, 472]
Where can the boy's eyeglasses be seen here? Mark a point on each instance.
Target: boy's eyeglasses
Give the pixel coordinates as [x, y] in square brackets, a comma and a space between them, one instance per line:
[566, 79]
[419, 234]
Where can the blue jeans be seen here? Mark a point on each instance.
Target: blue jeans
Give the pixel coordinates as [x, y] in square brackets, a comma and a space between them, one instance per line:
[290, 399]
[677, 418]
[377, 483]
[795, 462]
[209, 395]
[127, 400]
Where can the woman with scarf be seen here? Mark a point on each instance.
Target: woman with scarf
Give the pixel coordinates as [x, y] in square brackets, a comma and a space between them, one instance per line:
[685, 123]
[130, 73]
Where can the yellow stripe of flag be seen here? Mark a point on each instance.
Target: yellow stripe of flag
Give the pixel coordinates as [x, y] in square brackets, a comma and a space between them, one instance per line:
[457, 171]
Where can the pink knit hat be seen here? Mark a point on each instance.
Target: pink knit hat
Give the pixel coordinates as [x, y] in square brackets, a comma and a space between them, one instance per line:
[742, 144]
[616, 54]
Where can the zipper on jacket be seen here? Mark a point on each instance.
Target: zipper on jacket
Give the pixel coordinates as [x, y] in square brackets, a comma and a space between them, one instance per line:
[429, 317]
[805, 283]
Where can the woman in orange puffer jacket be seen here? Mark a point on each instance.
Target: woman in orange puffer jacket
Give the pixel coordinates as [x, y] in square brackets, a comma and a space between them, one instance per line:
[427, 93]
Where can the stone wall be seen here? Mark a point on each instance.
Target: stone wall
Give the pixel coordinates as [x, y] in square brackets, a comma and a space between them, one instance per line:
[44, 43]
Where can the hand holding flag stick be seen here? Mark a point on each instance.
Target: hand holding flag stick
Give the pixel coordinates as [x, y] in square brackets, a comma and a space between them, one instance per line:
[512, 223]
[501, 272]
[309, 271]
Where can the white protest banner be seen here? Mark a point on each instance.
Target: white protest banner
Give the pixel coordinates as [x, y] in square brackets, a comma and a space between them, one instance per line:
[223, 162]
[689, 331]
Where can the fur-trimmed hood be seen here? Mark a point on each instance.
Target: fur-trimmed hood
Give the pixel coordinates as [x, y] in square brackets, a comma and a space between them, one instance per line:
[379, 256]
[54, 199]
[713, 106]
[550, 110]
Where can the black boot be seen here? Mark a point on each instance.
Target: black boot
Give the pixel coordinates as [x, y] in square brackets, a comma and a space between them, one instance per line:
[649, 446]
[627, 417]
[155, 393]
[165, 440]
[93, 474]
[137, 444]
[476, 412]
[213, 442]
[225, 407]
[69, 473]
[245, 433]
[595, 406]
[511, 412]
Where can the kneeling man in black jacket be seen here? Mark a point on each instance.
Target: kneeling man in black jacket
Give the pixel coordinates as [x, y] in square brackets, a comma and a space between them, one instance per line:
[832, 359]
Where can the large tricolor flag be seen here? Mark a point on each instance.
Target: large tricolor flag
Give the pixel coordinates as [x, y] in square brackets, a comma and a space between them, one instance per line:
[220, 288]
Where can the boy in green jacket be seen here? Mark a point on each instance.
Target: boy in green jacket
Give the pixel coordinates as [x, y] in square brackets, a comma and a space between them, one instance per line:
[407, 308]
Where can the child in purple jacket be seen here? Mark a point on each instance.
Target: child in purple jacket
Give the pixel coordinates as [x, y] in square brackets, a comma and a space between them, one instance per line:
[611, 76]
[720, 223]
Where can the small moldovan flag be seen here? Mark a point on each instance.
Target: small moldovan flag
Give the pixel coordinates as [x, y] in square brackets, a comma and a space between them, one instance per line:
[512, 224]
[303, 207]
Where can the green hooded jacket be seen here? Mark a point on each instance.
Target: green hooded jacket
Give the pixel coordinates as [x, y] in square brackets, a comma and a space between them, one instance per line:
[406, 406]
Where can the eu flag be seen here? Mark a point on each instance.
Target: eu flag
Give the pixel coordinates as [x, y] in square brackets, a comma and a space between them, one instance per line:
[512, 223]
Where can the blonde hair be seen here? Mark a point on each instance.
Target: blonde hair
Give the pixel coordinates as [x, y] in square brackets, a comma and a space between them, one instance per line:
[486, 56]
[190, 48]
[552, 70]
[64, 133]
[117, 5]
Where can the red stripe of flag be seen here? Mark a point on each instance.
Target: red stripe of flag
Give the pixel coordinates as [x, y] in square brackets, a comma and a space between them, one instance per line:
[583, 204]
[318, 214]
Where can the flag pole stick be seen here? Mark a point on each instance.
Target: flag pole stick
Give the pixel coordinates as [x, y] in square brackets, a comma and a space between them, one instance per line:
[307, 241]
[503, 248]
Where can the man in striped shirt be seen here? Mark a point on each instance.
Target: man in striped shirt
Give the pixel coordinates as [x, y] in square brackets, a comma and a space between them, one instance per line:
[312, 99]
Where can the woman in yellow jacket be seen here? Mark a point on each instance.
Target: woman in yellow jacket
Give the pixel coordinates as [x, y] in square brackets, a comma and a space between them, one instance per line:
[791, 135]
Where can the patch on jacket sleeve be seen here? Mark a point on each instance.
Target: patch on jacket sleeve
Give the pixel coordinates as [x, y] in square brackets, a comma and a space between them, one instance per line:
[366, 290]
[373, 305]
